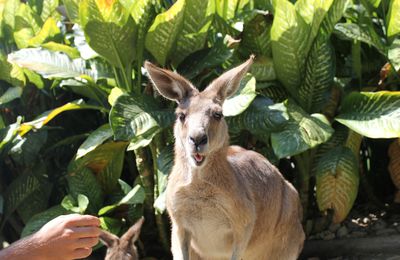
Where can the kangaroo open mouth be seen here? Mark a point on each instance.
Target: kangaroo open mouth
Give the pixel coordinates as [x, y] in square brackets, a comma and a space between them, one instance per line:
[198, 158]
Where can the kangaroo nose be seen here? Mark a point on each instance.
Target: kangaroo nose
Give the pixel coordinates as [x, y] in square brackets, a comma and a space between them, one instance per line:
[198, 140]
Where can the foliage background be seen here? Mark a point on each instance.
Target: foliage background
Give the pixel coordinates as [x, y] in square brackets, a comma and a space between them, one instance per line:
[82, 130]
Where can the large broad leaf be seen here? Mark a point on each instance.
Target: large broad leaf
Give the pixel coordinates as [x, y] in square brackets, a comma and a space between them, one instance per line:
[8, 133]
[44, 8]
[393, 19]
[27, 25]
[363, 32]
[256, 37]
[261, 117]
[226, 8]
[21, 189]
[337, 182]
[394, 54]
[301, 133]
[49, 32]
[174, 35]
[238, 103]
[207, 58]
[375, 115]
[164, 166]
[39, 220]
[44, 118]
[11, 73]
[8, 18]
[314, 91]
[11, 94]
[106, 162]
[289, 35]
[81, 180]
[26, 149]
[109, 30]
[131, 117]
[334, 14]
[96, 138]
[263, 69]
[72, 9]
[195, 25]
[72, 52]
[50, 64]
[134, 196]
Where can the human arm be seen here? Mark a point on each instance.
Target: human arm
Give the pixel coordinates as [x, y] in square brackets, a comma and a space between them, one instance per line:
[63, 238]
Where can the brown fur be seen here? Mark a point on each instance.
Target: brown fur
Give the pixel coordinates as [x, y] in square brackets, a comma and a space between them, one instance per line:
[235, 204]
[122, 248]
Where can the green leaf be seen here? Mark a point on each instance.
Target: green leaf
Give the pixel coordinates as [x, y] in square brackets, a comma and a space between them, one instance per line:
[49, 32]
[78, 206]
[21, 189]
[72, 9]
[393, 19]
[337, 182]
[334, 14]
[375, 115]
[7, 134]
[394, 54]
[301, 133]
[39, 220]
[9, 14]
[26, 149]
[261, 117]
[143, 140]
[134, 196]
[11, 73]
[174, 35]
[263, 69]
[131, 117]
[112, 225]
[109, 30]
[238, 103]
[165, 162]
[289, 35]
[50, 64]
[53, 46]
[82, 181]
[195, 24]
[256, 37]
[226, 9]
[96, 138]
[44, 8]
[364, 33]
[27, 25]
[318, 80]
[162, 35]
[207, 58]
[34, 78]
[10, 94]
[44, 118]
[106, 162]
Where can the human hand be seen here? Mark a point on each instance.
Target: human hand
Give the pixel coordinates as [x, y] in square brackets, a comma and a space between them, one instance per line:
[67, 237]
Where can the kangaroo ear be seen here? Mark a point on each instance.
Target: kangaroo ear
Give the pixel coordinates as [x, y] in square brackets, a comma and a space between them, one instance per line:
[133, 232]
[170, 85]
[108, 239]
[228, 83]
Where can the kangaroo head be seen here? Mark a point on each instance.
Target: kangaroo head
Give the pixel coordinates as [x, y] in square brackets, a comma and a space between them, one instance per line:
[200, 129]
[122, 248]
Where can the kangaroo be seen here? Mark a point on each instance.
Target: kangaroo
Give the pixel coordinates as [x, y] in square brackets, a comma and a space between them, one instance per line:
[122, 248]
[225, 202]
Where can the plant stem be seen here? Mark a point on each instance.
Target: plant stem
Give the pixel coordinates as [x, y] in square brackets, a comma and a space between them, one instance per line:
[303, 162]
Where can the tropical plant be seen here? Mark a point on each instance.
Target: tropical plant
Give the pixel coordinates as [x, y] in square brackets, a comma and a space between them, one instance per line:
[310, 98]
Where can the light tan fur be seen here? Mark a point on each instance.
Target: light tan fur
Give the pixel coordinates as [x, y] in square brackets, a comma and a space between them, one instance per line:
[233, 204]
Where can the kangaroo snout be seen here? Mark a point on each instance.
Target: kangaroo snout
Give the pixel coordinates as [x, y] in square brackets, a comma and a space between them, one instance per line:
[198, 141]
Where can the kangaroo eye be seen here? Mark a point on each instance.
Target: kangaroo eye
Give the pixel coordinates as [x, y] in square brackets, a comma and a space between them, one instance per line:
[182, 117]
[217, 115]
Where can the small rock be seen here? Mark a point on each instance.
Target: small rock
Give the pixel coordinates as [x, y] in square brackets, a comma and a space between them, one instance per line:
[385, 232]
[379, 224]
[358, 234]
[334, 227]
[342, 232]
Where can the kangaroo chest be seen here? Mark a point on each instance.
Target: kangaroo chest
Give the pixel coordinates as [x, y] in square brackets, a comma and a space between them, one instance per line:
[203, 212]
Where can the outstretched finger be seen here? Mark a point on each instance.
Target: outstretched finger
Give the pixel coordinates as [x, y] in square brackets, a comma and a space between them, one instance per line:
[81, 220]
[86, 231]
[82, 253]
[87, 242]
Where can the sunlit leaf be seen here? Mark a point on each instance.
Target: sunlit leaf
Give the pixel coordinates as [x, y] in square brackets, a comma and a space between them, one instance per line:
[96, 138]
[375, 115]
[238, 103]
[337, 182]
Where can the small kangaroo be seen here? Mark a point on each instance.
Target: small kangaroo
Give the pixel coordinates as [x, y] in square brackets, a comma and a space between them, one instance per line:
[122, 248]
[225, 202]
